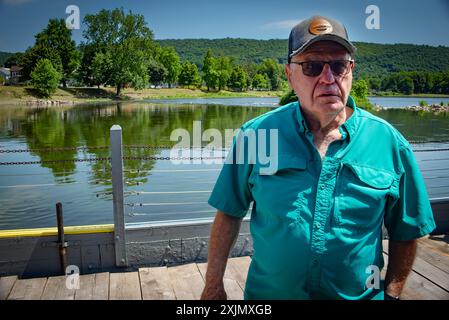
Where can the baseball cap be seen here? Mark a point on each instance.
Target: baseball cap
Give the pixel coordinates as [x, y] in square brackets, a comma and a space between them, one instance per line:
[317, 28]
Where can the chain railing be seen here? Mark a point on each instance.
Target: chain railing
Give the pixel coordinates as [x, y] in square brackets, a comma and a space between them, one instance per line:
[87, 148]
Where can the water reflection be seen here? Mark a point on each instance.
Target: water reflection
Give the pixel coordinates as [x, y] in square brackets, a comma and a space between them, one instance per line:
[28, 193]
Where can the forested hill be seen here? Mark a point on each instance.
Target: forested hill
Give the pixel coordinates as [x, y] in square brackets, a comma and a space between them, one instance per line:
[372, 59]
[4, 56]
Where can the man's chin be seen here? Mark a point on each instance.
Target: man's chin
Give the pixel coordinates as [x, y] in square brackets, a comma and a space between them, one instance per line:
[330, 104]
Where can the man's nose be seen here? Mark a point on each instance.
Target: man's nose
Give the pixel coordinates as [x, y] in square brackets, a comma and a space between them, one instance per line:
[326, 75]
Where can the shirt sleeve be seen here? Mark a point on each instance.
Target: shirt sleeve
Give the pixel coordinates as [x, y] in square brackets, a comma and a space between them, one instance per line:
[231, 193]
[409, 215]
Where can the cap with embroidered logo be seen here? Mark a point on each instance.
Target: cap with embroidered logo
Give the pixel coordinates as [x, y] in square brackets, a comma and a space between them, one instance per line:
[317, 28]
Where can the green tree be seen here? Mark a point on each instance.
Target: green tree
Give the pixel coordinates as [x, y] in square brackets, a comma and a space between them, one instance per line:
[189, 75]
[84, 73]
[14, 60]
[359, 92]
[157, 72]
[223, 66]
[237, 80]
[210, 75]
[170, 60]
[127, 40]
[54, 43]
[36, 53]
[274, 72]
[261, 82]
[45, 78]
[287, 97]
[374, 84]
[101, 68]
[405, 85]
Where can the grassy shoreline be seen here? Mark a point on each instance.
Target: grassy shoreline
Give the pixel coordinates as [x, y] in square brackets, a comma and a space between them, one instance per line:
[26, 95]
[21, 95]
[416, 95]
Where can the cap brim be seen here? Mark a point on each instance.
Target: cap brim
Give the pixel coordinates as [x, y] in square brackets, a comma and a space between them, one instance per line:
[329, 37]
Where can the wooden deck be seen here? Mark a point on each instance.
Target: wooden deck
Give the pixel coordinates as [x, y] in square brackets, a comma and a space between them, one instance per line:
[428, 281]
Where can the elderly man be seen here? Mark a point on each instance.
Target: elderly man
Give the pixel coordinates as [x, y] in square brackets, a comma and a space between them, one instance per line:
[341, 174]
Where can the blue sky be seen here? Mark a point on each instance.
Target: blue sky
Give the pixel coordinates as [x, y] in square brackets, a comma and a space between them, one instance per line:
[401, 21]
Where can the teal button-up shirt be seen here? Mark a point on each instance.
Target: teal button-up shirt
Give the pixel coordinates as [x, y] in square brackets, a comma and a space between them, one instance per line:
[316, 224]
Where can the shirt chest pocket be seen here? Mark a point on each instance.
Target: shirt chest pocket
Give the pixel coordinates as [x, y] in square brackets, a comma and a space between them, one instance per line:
[282, 194]
[361, 195]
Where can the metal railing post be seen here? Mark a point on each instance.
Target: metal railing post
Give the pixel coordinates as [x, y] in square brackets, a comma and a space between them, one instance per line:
[61, 238]
[117, 194]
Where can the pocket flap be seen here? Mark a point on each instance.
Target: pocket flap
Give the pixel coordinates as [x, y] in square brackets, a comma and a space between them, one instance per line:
[376, 178]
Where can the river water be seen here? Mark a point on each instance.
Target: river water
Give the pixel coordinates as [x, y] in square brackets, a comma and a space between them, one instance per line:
[155, 190]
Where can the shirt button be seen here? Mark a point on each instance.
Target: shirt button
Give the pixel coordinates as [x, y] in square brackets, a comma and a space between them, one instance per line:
[318, 225]
[322, 187]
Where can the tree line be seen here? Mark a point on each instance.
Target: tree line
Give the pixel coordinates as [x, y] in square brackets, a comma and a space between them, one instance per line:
[411, 82]
[119, 50]
[372, 59]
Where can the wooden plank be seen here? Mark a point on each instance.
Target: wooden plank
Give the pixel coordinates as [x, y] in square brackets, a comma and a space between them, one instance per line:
[232, 288]
[187, 281]
[86, 290]
[56, 289]
[433, 257]
[439, 243]
[418, 287]
[28, 289]
[155, 284]
[431, 273]
[435, 250]
[6, 284]
[124, 286]
[93, 287]
[428, 270]
[101, 288]
[238, 269]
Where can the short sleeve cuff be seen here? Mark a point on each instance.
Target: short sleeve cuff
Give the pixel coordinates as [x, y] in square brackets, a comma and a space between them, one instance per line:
[227, 209]
[425, 229]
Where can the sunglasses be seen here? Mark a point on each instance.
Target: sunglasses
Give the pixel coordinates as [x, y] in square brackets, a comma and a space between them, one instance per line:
[314, 68]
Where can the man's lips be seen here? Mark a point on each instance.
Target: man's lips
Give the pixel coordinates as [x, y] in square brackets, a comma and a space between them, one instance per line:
[328, 92]
[328, 95]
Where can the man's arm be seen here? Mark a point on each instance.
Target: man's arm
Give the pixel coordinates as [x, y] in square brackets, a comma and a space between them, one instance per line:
[401, 255]
[225, 230]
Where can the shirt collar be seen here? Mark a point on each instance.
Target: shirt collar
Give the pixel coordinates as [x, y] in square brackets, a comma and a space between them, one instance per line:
[350, 125]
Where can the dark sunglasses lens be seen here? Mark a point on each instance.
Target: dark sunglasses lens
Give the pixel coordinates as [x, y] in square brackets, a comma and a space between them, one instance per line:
[339, 67]
[312, 68]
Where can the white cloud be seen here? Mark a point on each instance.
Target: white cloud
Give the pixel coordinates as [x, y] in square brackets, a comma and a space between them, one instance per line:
[15, 2]
[284, 24]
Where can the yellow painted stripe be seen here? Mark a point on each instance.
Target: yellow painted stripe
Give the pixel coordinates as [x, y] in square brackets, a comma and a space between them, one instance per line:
[43, 232]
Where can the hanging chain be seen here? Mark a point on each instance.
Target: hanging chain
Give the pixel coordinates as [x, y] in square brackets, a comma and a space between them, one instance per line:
[100, 148]
[12, 163]
[155, 158]
[53, 149]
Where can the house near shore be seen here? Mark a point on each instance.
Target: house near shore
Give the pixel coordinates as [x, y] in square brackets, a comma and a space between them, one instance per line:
[15, 74]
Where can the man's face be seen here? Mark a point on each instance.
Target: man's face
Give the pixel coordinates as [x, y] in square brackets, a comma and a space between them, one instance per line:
[325, 94]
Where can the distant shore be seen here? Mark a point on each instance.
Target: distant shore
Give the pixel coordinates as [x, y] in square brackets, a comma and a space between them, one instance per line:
[19, 95]
[415, 95]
